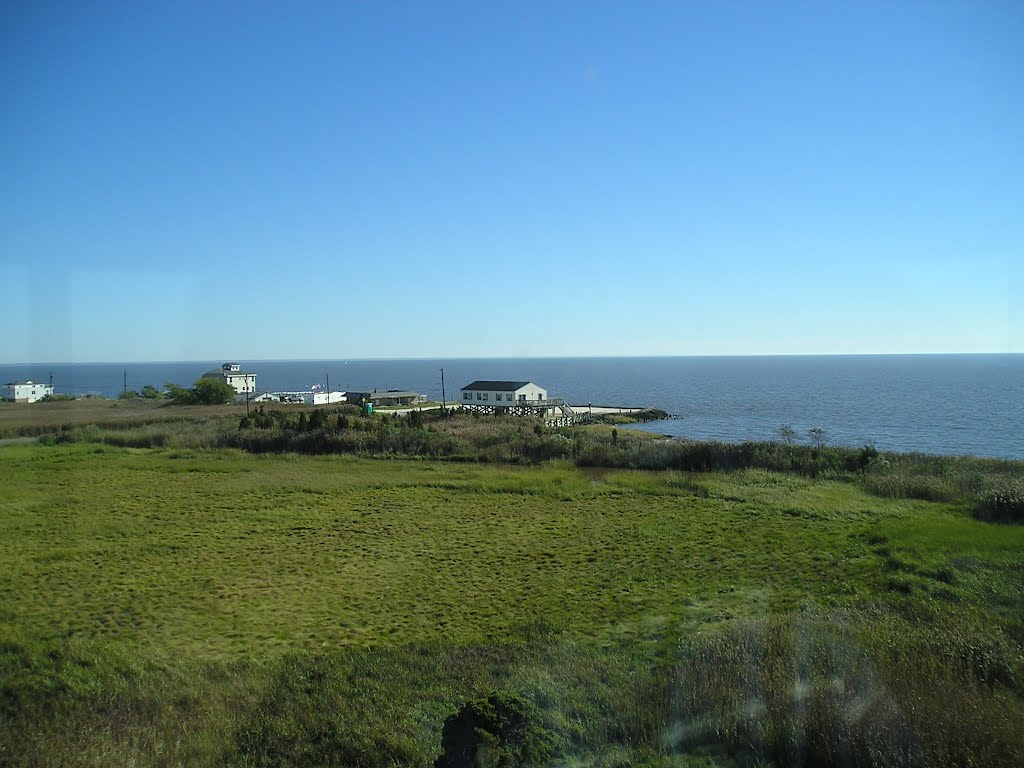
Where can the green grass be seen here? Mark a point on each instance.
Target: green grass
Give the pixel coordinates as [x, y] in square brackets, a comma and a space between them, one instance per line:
[605, 430]
[173, 606]
[214, 553]
[415, 407]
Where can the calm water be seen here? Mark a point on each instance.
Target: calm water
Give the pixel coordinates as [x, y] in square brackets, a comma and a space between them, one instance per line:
[934, 403]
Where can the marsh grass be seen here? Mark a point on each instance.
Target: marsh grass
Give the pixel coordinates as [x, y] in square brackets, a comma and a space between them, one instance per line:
[991, 487]
[52, 418]
[188, 606]
[1002, 500]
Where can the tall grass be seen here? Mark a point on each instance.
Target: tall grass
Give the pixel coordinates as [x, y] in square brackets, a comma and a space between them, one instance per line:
[811, 690]
[804, 689]
[1002, 501]
[49, 418]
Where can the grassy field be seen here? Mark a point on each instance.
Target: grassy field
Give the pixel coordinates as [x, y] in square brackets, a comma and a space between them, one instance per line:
[180, 607]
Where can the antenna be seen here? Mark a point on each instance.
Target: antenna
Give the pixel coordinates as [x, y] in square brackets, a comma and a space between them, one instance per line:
[444, 408]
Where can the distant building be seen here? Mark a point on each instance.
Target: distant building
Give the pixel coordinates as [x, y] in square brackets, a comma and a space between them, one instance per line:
[26, 391]
[501, 394]
[243, 382]
[390, 397]
[292, 398]
[329, 398]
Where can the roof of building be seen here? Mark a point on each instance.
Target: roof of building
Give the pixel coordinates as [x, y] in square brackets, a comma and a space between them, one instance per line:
[20, 382]
[497, 386]
[219, 374]
[392, 393]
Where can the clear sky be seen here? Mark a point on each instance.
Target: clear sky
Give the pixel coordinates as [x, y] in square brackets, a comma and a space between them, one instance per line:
[214, 180]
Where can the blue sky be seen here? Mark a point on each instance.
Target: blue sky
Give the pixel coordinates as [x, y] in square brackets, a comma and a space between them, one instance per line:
[196, 181]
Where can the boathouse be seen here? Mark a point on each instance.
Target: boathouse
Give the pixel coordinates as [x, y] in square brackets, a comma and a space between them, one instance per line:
[501, 394]
[517, 398]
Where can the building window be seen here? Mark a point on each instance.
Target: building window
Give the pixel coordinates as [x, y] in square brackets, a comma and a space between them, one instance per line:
[467, 396]
[508, 397]
[478, 397]
[485, 395]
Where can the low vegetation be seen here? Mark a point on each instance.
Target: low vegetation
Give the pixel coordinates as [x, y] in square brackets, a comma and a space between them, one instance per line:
[991, 487]
[168, 600]
[206, 391]
[68, 418]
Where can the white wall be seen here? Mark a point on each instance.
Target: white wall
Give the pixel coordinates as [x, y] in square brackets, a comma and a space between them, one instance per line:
[326, 398]
[242, 382]
[27, 393]
[532, 392]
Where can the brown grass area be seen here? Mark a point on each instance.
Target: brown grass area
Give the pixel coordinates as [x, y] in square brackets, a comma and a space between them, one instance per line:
[33, 419]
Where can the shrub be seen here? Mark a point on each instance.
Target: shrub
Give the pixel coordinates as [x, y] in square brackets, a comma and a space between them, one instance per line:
[504, 730]
[902, 484]
[1003, 504]
[210, 391]
[180, 394]
[551, 447]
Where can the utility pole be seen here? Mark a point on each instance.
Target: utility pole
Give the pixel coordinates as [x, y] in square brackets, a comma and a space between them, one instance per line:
[444, 405]
[328, 375]
[125, 390]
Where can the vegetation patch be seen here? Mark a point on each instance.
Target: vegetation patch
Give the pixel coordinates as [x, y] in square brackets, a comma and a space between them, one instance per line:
[206, 606]
[1002, 502]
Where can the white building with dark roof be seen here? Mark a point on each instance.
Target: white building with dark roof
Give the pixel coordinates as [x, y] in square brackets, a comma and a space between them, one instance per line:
[26, 391]
[517, 398]
[501, 394]
[244, 382]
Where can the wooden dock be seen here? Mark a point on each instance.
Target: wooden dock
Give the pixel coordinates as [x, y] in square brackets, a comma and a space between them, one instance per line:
[554, 412]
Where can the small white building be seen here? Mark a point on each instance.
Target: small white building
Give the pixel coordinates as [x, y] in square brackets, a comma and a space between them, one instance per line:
[244, 382]
[291, 398]
[328, 398]
[518, 398]
[501, 394]
[26, 391]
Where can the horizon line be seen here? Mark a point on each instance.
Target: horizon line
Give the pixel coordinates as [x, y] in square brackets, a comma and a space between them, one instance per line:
[516, 357]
